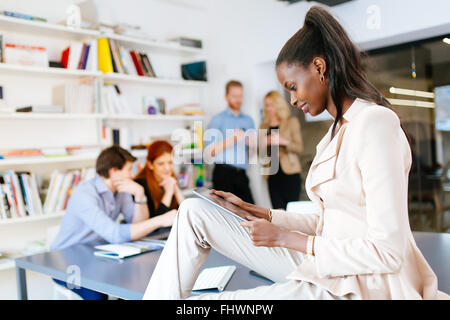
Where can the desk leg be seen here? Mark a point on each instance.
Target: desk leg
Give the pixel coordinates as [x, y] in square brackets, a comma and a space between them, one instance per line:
[21, 279]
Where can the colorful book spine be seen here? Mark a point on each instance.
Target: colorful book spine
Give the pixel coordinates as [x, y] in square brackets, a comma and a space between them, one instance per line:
[137, 63]
[65, 57]
[85, 57]
[104, 56]
[147, 63]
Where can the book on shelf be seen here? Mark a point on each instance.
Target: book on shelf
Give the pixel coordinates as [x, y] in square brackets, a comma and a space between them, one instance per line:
[83, 97]
[114, 102]
[116, 136]
[115, 55]
[72, 57]
[20, 153]
[19, 195]
[21, 16]
[31, 193]
[80, 150]
[137, 63]
[127, 60]
[92, 59]
[61, 186]
[104, 56]
[1, 49]
[52, 152]
[188, 109]
[41, 108]
[83, 57]
[25, 55]
[188, 42]
[75, 51]
[131, 31]
[114, 58]
[65, 57]
[190, 176]
[147, 65]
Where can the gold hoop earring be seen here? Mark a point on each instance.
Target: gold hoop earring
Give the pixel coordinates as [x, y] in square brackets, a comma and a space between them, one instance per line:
[322, 79]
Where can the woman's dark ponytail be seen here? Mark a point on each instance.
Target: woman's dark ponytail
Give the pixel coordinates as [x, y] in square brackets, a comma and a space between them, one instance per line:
[323, 36]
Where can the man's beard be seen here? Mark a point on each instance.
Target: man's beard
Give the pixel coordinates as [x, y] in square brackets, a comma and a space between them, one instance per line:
[235, 106]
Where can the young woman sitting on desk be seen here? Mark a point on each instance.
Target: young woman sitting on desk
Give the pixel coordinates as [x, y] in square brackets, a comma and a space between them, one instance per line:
[359, 245]
[160, 184]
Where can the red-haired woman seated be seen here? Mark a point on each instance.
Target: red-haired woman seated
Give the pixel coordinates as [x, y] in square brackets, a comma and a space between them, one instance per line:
[160, 184]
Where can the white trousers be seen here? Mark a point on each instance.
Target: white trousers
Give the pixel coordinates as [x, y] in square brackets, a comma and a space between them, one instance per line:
[200, 226]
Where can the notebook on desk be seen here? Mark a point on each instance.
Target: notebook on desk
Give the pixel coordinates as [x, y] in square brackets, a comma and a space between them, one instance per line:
[128, 249]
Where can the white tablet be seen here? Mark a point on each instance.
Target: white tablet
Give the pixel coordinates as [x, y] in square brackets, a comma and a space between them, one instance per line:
[220, 202]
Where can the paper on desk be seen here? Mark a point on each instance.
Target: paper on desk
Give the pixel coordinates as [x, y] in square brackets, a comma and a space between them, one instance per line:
[127, 249]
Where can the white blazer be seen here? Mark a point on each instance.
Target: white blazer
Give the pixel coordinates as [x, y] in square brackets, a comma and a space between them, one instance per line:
[363, 244]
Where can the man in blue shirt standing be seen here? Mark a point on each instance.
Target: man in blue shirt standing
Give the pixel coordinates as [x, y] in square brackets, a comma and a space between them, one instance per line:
[95, 205]
[230, 134]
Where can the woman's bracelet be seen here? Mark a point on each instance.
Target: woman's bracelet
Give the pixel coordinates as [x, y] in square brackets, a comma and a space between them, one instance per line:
[310, 245]
[270, 215]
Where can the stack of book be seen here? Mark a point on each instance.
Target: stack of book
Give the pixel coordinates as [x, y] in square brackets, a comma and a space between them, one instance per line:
[20, 153]
[1, 51]
[115, 58]
[61, 186]
[80, 56]
[25, 55]
[49, 152]
[80, 150]
[79, 98]
[128, 30]
[41, 109]
[114, 102]
[191, 176]
[188, 109]
[20, 192]
[19, 195]
[188, 42]
[21, 16]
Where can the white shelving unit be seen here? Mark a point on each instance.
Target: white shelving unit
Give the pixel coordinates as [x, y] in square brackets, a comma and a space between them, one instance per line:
[49, 160]
[6, 68]
[152, 81]
[10, 24]
[12, 230]
[163, 46]
[77, 116]
[47, 216]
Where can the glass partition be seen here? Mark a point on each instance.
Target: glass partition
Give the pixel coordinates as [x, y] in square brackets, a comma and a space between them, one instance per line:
[415, 77]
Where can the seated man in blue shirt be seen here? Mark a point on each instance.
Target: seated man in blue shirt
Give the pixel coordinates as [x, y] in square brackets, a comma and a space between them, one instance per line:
[95, 205]
[230, 138]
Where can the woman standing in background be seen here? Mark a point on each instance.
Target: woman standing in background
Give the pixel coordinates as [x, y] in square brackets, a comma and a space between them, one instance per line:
[283, 130]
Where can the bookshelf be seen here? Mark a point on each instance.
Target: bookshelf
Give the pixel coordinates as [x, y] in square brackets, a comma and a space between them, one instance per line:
[6, 163]
[152, 81]
[6, 68]
[25, 129]
[9, 24]
[53, 215]
[149, 44]
[100, 116]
